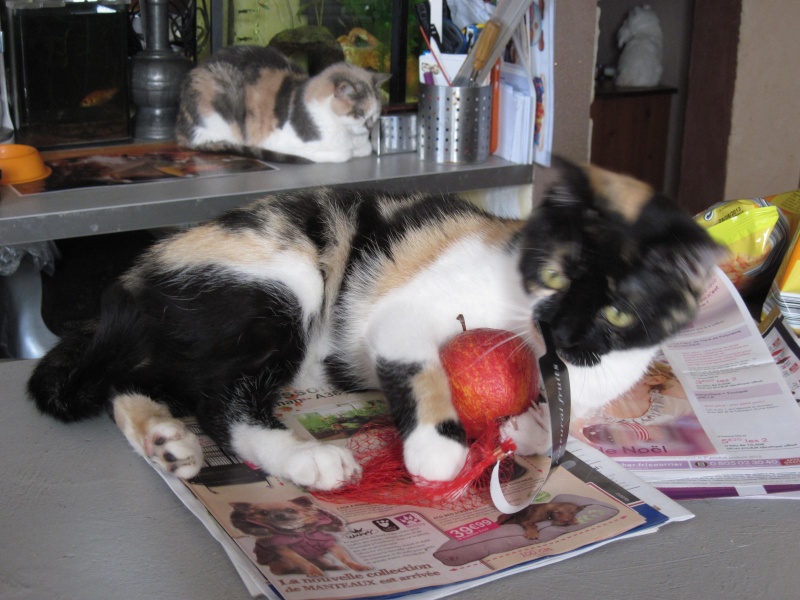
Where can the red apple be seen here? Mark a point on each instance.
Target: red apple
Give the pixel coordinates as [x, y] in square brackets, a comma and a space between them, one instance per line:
[492, 374]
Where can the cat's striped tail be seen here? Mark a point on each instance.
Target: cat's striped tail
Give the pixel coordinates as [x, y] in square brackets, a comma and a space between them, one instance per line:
[251, 152]
[77, 377]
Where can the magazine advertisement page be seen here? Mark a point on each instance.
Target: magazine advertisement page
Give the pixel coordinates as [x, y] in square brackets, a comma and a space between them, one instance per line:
[134, 163]
[716, 409]
[287, 542]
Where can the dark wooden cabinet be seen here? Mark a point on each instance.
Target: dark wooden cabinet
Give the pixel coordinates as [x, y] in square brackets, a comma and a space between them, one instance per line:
[630, 129]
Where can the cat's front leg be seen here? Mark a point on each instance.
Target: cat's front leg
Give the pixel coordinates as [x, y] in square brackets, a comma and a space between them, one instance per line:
[332, 155]
[529, 431]
[361, 145]
[306, 463]
[434, 442]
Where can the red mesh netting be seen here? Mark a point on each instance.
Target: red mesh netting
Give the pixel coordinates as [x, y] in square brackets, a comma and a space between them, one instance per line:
[378, 448]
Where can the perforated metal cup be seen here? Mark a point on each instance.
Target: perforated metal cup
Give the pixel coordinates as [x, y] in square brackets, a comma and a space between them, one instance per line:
[454, 124]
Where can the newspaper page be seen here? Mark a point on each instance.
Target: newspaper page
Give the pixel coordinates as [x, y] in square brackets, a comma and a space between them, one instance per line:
[716, 414]
[287, 543]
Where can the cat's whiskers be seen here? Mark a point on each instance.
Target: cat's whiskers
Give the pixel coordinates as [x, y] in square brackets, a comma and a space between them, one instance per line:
[488, 351]
[642, 320]
[524, 333]
[525, 336]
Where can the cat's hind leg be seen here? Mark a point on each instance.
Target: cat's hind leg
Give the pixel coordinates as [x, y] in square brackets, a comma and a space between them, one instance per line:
[156, 435]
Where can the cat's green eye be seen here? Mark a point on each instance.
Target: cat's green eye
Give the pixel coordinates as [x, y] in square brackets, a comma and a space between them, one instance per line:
[617, 317]
[553, 277]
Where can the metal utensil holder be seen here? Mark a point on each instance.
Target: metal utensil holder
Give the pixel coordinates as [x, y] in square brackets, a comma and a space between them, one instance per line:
[454, 124]
[394, 134]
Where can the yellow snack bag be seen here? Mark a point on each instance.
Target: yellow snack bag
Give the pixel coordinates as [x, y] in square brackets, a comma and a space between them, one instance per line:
[755, 232]
[789, 205]
[785, 291]
[788, 278]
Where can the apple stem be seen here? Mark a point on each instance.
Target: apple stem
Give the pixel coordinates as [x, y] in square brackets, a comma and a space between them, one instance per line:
[460, 318]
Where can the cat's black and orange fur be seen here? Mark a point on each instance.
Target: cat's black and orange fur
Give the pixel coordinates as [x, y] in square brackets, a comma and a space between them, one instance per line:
[254, 101]
[360, 289]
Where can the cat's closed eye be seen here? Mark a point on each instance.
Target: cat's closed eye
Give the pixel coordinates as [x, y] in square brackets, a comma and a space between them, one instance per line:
[553, 276]
[617, 317]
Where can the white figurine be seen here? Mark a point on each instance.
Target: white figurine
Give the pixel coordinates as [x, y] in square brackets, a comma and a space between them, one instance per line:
[642, 45]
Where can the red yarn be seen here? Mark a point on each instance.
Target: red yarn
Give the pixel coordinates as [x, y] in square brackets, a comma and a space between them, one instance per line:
[385, 480]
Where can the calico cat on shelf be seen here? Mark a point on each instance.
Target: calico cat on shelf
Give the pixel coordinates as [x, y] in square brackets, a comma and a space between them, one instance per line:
[253, 101]
[359, 290]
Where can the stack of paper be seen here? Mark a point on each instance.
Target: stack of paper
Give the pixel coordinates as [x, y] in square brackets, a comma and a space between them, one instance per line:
[376, 550]
[729, 424]
[517, 101]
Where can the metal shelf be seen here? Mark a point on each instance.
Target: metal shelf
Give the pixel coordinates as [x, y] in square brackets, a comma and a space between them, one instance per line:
[92, 211]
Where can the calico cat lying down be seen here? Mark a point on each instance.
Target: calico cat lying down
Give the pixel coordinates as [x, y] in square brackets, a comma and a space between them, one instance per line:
[254, 101]
[359, 290]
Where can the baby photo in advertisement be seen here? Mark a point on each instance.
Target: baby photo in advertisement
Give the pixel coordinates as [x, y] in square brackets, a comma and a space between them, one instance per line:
[654, 417]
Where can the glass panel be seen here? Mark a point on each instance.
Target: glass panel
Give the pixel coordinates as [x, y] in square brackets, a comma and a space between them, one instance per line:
[315, 33]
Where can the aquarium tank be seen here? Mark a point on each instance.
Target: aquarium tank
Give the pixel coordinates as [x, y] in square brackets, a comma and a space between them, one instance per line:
[67, 71]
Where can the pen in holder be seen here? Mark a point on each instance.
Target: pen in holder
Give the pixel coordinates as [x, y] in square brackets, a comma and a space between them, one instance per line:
[454, 123]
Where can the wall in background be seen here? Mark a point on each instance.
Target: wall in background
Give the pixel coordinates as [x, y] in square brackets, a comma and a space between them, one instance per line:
[675, 17]
[764, 143]
[575, 31]
[742, 134]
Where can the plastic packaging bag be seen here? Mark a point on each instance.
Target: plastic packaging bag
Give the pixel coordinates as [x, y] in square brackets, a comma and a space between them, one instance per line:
[785, 290]
[43, 254]
[757, 235]
[755, 232]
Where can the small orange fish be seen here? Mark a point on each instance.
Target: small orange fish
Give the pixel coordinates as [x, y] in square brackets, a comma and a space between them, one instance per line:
[98, 97]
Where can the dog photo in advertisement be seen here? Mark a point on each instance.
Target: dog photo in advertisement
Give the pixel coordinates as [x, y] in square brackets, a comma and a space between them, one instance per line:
[294, 536]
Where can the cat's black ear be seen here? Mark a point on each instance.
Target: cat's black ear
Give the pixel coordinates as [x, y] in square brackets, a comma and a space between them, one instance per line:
[691, 260]
[566, 168]
[707, 251]
[571, 184]
[710, 254]
[667, 232]
[599, 189]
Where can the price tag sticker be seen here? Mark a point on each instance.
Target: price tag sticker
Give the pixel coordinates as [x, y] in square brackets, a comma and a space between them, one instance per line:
[468, 530]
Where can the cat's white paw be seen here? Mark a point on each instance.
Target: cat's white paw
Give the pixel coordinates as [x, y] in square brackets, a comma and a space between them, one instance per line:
[305, 463]
[332, 156]
[322, 467]
[362, 148]
[530, 431]
[174, 449]
[432, 456]
[157, 436]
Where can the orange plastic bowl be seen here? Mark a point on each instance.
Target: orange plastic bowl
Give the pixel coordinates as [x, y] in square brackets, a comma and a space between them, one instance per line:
[21, 164]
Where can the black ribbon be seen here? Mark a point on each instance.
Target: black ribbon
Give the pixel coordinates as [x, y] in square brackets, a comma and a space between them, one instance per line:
[555, 381]
[557, 393]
